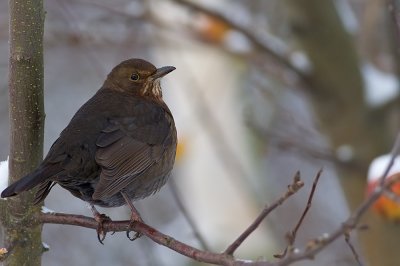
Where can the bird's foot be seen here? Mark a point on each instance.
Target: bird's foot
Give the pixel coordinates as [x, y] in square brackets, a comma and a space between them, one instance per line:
[137, 234]
[135, 217]
[100, 219]
[101, 232]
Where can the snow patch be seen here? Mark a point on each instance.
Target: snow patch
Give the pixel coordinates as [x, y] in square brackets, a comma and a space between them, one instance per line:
[3, 175]
[381, 87]
[45, 246]
[47, 210]
[379, 165]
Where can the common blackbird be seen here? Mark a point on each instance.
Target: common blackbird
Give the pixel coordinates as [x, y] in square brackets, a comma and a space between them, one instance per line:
[120, 145]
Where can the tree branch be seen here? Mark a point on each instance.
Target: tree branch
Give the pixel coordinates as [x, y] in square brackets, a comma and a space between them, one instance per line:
[351, 223]
[352, 248]
[150, 232]
[296, 185]
[292, 235]
[225, 258]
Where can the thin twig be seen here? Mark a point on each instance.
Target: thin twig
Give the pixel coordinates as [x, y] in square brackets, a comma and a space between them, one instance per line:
[353, 250]
[394, 153]
[392, 195]
[292, 235]
[352, 222]
[310, 198]
[383, 185]
[316, 245]
[296, 185]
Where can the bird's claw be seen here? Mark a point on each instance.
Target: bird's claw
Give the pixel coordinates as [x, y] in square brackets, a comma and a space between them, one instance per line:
[101, 233]
[137, 234]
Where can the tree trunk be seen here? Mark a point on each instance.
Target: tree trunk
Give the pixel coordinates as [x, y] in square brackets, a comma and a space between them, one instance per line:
[22, 231]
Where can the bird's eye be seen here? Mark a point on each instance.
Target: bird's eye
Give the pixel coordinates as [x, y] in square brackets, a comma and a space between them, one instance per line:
[135, 77]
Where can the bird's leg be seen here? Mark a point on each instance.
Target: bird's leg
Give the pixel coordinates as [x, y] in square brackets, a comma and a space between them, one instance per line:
[135, 216]
[100, 219]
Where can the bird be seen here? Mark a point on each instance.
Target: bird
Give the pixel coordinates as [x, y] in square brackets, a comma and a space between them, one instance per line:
[119, 147]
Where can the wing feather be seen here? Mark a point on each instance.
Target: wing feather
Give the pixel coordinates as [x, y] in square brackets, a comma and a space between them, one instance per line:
[122, 158]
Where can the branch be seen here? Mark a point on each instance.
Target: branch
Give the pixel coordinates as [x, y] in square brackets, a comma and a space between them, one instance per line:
[353, 250]
[292, 235]
[225, 258]
[351, 223]
[296, 185]
[395, 152]
[153, 234]
[392, 195]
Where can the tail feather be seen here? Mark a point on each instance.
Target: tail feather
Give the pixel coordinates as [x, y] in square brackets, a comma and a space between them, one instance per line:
[40, 175]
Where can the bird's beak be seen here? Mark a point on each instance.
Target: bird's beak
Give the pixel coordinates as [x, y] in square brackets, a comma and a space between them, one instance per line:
[162, 71]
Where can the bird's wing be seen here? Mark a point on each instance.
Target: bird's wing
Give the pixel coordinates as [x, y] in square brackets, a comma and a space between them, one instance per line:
[127, 147]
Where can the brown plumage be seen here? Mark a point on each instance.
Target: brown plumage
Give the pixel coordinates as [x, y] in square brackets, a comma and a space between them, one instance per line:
[121, 141]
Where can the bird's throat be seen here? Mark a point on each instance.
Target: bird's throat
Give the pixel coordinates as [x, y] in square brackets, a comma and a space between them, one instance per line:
[152, 89]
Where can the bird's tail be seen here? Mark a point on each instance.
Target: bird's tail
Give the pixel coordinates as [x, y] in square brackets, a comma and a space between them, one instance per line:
[40, 175]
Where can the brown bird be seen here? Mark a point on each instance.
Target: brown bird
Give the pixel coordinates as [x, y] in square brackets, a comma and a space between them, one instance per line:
[120, 145]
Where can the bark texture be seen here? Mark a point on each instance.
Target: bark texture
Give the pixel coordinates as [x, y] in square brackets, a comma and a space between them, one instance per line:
[22, 230]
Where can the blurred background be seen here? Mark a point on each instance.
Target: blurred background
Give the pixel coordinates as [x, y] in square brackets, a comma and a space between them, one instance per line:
[262, 89]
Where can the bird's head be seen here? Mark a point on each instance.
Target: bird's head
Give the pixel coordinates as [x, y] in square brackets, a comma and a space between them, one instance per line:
[138, 77]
